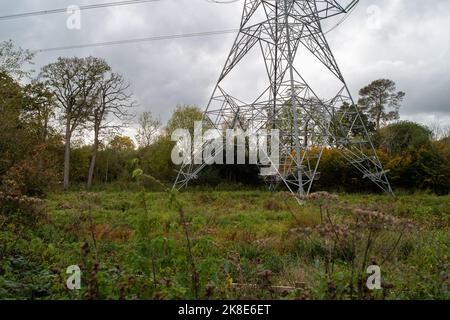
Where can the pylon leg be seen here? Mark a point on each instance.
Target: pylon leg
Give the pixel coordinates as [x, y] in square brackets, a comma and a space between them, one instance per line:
[308, 124]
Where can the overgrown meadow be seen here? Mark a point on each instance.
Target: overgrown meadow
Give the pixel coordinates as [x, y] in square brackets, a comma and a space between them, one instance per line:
[224, 245]
[62, 127]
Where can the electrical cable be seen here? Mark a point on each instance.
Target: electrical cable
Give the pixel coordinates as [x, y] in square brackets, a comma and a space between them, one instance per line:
[148, 39]
[169, 37]
[62, 10]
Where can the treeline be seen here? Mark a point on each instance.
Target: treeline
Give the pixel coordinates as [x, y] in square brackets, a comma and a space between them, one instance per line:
[415, 160]
[64, 127]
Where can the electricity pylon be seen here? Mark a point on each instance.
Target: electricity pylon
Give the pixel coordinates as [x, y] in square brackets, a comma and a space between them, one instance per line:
[278, 31]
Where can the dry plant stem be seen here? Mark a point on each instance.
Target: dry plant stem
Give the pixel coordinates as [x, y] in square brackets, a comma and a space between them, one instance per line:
[4, 244]
[337, 241]
[332, 257]
[92, 231]
[366, 251]
[154, 272]
[144, 203]
[327, 261]
[363, 264]
[239, 270]
[388, 256]
[353, 259]
[195, 277]
[290, 210]
[332, 225]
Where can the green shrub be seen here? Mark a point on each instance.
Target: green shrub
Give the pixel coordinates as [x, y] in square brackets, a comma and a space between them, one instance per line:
[151, 184]
[18, 208]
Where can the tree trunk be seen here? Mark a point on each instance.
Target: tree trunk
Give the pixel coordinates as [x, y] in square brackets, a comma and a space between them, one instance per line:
[378, 120]
[305, 134]
[107, 169]
[379, 112]
[67, 156]
[93, 160]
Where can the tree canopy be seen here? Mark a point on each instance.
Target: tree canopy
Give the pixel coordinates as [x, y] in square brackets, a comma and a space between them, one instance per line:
[399, 137]
[381, 101]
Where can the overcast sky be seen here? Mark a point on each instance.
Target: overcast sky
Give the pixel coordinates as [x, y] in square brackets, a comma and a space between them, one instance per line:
[407, 41]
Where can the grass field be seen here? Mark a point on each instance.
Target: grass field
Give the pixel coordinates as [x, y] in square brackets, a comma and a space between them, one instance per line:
[247, 244]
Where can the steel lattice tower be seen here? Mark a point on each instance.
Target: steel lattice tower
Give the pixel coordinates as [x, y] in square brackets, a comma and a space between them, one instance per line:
[277, 31]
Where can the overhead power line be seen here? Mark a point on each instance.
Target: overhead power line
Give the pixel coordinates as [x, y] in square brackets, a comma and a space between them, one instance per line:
[93, 6]
[128, 41]
[156, 38]
[223, 1]
[162, 37]
[62, 10]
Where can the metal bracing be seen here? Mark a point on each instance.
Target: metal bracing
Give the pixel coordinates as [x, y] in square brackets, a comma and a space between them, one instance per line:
[308, 124]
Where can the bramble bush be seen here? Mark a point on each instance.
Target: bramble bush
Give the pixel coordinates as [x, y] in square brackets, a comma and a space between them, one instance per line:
[35, 175]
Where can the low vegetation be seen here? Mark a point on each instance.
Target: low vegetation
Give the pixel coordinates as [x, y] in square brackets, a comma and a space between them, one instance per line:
[216, 244]
[75, 191]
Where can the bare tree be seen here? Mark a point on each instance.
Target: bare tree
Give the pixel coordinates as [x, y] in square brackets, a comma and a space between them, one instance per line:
[149, 127]
[109, 112]
[73, 81]
[439, 132]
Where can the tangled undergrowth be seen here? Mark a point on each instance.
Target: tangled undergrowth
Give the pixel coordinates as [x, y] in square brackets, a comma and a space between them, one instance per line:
[223, 245]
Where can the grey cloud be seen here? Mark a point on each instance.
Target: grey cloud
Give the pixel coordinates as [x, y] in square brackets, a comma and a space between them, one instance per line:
[412, 47]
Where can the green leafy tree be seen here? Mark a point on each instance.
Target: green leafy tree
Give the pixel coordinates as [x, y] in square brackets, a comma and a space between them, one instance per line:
[381, 101]
[122, 143]
[307, 121]
[14, 138]
[184, 117]
[12, 60]
[40, 110]
[345, 119]
[156, 159]
[28, 145]
[149, 129]
[401, 136]
[420, 168]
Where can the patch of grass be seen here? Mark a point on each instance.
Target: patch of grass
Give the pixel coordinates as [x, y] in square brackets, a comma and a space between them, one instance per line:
[132, 245]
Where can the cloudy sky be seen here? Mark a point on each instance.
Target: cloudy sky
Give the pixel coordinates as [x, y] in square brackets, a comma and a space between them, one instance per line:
[407, 41]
